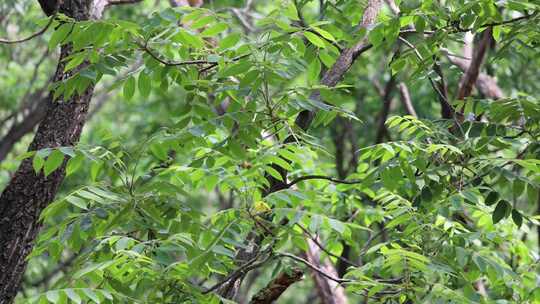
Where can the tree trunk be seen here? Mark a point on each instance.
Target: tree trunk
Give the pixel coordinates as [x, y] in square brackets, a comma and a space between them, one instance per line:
[28, 193]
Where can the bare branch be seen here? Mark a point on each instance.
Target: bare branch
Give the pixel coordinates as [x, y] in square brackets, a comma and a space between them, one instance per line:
[240, 271]
[473, 71]
[329, 291]
[335, 180]
[387, 101]
[406, 99]
[486, 84]
[121, 2]
[34, 35]
[316, 242]
[313, 267]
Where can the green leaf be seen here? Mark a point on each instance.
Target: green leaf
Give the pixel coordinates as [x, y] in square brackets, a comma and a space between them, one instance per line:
[145, 84]
[280, 162]
[214, 30]
[502, 210]
[129, 87]
[188, 38]
[376, 36]
[273, 172]
[74, 296]
[492, 198]
[202, 22]
[54, 160]
[291, 12]
[324, 33]
[59, 35]
[53, 296]
[314, 70]
[236, 69]
[314, 39]
[77, 201]
[338, 226]
[37, 163]
[517, 218]
[229, 41]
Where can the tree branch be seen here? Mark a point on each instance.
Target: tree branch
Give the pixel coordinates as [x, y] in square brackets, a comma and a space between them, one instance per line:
[316, 242]
[277, 286]
[121, 2]
[387, 101]
[335, 180]
[313, 267]
[144, 47]
[34, 35]
[473, 71]
[406, 99]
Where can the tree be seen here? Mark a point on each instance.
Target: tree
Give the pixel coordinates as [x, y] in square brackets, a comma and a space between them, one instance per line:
[28, 193]
[350, 151]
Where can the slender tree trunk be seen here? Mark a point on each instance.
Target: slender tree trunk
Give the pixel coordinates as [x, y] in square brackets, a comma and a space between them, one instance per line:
[28, 193]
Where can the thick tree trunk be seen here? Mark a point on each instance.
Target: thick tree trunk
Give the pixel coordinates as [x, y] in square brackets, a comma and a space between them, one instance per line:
[28, 193]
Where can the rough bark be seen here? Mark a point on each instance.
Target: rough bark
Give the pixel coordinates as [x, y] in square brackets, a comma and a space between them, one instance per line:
[28, 193]
[277, 287]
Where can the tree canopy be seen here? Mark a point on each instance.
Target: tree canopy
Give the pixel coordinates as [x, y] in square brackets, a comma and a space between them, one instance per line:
[292, 151]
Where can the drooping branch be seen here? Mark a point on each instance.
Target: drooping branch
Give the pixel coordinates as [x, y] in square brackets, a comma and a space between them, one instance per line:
[34, 35]
[240, 271]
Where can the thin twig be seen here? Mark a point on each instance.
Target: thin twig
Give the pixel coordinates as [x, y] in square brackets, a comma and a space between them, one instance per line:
[34, 35]
[145, 48]
[120, 2]
[245, 268]
[313, 267]
[335, 180]
[316, 242]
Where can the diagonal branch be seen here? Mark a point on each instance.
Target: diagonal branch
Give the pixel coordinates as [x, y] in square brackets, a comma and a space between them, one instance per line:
[473, 70]
[406, 99]
[277, 286]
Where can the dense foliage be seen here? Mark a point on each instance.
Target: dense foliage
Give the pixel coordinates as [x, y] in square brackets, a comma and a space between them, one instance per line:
[194, 169]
